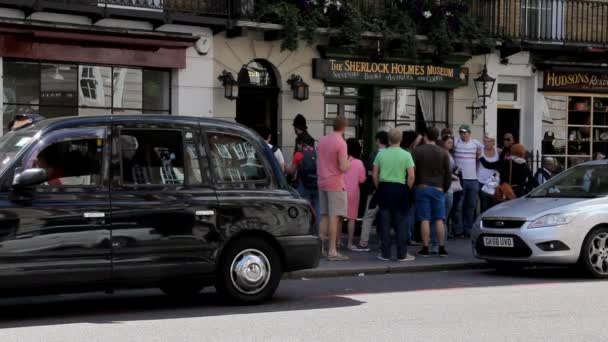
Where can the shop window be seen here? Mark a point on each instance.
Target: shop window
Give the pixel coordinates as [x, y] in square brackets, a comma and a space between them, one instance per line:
[575, 128]
[235, 160]
[152, 157]
[55, 90]
[507, 92]
[342, 101]
[411, 109]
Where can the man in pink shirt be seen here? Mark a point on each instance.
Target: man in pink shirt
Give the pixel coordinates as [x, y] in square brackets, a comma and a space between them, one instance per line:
[332, 164]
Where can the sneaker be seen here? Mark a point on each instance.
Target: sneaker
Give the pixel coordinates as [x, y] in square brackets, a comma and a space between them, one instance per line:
[442, 252]
[424, 252]
[337, 257]
[408, 257]
[359, 249]
[380, 257]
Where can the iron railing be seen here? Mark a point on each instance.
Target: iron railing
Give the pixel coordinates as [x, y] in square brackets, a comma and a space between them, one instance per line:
[558, 21]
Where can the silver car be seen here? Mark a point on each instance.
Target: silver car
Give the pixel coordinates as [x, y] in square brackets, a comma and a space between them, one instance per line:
[564, 221]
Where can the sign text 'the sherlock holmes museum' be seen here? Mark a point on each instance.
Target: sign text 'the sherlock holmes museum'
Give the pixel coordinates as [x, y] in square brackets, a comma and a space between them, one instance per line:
[388, 73]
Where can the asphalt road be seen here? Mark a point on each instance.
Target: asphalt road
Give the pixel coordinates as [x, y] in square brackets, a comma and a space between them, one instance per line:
[477, 305]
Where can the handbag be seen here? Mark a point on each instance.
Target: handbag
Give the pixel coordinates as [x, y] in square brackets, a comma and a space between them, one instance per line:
[456, 186]
[504, 192]
[490, 187]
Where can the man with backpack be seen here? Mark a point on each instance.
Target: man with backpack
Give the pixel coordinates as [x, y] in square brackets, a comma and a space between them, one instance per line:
[276, 151]
[304, 168]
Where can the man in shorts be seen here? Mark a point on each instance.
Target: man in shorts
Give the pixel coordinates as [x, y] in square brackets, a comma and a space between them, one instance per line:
[332, 164]
[433, 179]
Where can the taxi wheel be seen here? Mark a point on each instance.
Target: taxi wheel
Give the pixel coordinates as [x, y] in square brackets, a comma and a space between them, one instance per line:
[594, 253]
[249, 271]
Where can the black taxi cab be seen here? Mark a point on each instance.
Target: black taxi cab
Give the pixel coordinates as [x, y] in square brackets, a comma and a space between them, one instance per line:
[174, 202]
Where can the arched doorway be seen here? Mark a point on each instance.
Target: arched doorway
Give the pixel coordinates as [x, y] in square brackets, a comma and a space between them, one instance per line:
[257, 105]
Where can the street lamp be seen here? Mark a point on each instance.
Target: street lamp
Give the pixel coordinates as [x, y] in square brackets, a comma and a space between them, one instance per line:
[231, 86]
[484, 85]
[299, 87]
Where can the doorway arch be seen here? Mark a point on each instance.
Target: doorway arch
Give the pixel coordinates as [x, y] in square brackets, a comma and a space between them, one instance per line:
[258, 102]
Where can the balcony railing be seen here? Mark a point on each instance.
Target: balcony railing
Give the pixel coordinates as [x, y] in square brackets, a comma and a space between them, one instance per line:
[552, 21]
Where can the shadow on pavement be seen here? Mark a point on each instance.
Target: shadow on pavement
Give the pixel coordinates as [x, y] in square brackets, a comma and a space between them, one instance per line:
[100, 308]
[293, 295]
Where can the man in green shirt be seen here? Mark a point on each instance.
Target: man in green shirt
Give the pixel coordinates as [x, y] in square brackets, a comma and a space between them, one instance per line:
[394, 176]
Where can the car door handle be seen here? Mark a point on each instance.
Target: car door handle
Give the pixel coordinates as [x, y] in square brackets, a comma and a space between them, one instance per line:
[94, 215]
[205, 213]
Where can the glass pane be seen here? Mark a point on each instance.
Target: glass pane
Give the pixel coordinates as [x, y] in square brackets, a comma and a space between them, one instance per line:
[331, 110]
[235, 159]
[386, 125]
[554, 139]
[152, 157]
[406, 104]
[192, 162]
[57, 112]
[21, 83]
[128, 90]
[11, 110]
[157, 90]
[94, 111]
[406, 126]
[556, 111]
[507, 92]
[350, 111]
[58, 87]
[351, 91]
[351, 132]
[332, 91]
[94, 86]
[441, 108]
[582, 118]
[328, 129]
[256, 74]
[573, 161]
[126, 111]
[387, 104]
[72, 162]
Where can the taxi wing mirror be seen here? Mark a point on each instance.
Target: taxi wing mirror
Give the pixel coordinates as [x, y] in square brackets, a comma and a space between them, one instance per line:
[29, 177]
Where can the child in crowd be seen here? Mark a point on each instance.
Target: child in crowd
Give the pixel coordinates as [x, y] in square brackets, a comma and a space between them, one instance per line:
[354, 177]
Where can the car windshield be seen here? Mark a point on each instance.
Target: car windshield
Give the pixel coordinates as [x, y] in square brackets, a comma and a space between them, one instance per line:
[583, 181]
[11, 144]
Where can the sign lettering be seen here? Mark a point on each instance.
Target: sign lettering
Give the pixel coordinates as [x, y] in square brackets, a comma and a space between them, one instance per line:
[575, 81]
[389, 73]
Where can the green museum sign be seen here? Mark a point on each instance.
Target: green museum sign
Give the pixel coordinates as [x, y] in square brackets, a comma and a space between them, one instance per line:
[389, 73]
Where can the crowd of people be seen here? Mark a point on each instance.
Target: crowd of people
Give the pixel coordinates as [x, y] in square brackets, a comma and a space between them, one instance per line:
[426, 187]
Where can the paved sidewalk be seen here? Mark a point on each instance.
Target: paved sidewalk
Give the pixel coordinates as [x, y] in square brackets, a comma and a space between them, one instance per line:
[366, 263]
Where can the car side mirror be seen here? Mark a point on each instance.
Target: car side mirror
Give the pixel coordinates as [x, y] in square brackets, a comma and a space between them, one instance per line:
[29, 177]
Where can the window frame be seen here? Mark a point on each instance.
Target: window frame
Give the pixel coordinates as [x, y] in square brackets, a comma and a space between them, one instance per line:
[64, 135]
[267, 181]
[400, 123]
[182, 132]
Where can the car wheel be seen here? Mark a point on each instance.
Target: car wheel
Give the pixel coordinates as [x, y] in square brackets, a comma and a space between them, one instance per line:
[182, 290]
[249, 271]
[506, 268]
[594, 254]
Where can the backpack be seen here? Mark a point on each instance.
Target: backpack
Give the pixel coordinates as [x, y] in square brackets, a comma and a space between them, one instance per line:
[307, 171]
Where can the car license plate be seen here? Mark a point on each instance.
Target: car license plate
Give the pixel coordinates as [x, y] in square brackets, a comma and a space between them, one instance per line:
[495, 241]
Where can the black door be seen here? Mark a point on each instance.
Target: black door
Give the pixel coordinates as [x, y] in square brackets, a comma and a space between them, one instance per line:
[508, 122]
[58, 233]
[257, 107]
[163, 208]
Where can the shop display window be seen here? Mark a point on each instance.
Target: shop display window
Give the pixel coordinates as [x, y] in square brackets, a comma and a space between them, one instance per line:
[61, 89]
[575, 128]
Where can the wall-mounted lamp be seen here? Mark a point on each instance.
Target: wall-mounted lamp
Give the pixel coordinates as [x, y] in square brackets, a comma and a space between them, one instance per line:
[231, 86]
[299, 87]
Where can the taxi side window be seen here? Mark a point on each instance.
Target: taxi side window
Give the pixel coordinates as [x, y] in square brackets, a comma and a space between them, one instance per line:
[159, 157]
[235, 160]
[72, 162]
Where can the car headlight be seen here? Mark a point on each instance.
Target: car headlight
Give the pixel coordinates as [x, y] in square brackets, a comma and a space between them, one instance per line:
[553, 220]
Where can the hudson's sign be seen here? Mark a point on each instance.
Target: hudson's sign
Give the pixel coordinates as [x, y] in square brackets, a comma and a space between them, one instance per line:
[575, 81]
[353, 71]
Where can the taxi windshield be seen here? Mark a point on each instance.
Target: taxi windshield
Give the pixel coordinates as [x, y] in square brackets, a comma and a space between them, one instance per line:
[11, 144]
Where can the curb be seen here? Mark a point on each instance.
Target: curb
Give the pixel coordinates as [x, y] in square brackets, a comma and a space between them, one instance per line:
[345, 272]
